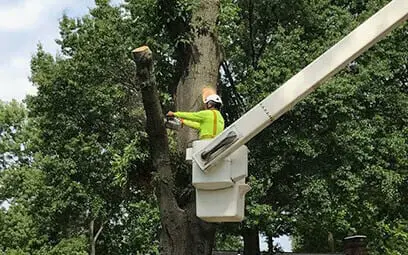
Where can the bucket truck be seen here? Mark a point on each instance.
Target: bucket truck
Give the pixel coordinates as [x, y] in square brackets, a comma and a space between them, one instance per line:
[220, 165]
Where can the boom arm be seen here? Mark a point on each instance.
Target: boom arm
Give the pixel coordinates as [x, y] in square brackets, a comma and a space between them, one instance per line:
[303, 83]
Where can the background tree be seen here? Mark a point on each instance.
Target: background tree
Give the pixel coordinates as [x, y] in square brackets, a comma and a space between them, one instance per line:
[301, 149]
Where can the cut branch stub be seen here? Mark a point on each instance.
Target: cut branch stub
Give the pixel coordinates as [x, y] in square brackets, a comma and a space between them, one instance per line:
[142, 56]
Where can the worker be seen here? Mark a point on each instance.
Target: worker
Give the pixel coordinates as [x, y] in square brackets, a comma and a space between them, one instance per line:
[209, 122]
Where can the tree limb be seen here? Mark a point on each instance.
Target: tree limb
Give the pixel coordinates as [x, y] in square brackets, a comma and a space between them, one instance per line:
[172, 216]
[99, 232]
[251, 32]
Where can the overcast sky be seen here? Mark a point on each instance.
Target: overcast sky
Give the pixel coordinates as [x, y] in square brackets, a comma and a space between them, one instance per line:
[24, 24]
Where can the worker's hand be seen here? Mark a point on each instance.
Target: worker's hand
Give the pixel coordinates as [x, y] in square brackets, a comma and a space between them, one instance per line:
[170, 114]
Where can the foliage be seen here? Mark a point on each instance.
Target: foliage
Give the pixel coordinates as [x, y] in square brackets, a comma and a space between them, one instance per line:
[88, 126]
[12, 120]
[394, 238]
[334, 165]
[228, 242]
[327, 164]
[74, 246]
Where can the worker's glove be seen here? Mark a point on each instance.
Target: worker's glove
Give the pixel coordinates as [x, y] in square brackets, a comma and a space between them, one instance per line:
[170, 114]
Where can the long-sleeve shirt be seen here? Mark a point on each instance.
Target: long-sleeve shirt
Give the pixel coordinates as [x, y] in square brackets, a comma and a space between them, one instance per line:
[209, 122]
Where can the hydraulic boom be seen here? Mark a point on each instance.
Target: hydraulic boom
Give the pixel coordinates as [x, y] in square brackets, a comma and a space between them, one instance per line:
[302, 84]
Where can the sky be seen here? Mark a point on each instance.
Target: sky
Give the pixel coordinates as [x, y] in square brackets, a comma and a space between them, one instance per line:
[23, 25]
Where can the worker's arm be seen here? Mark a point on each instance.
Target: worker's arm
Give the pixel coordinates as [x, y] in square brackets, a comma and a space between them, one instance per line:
[192, 124]
[193, 116]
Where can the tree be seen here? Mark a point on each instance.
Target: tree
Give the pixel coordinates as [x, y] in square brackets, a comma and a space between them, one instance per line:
[18, 231]
[91, 150]
[84, 98]
[200, 59]
[298, 156]
[90, 176]
[202, 62]
[12, 121]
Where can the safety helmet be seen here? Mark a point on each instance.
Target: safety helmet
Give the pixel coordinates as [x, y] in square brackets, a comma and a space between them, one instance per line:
[214, 98]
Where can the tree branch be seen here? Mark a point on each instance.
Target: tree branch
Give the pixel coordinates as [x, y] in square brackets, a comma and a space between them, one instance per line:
[251, 32]
[154, 116]
[236, 95]
[99, 232]
[228, 73]
[170, 212]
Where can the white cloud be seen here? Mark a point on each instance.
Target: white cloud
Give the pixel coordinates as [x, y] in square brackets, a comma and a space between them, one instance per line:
[14, 74]
[24, 15]
[23, 24]
[19, 62]
[14, 83]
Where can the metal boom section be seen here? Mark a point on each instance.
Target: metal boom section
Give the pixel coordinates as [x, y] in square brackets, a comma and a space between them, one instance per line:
[303, 83]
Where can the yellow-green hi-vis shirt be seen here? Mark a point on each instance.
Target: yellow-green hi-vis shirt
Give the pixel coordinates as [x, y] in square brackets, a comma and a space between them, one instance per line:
[209, 122]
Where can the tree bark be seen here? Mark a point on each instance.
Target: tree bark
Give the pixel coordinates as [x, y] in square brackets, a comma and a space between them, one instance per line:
[202, 70]
[251, 241]
[172, 217]
[203, 64]
[182, 232]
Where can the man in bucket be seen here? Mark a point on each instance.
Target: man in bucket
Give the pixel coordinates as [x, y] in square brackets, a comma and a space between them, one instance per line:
[209, 122]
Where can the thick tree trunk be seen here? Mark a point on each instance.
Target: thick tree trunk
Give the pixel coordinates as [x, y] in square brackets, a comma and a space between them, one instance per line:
[182, 232]
[203, 64]
[202, 70]
[251, 241]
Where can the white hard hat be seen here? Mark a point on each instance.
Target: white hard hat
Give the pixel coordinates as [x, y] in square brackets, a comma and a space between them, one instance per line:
[214, 98]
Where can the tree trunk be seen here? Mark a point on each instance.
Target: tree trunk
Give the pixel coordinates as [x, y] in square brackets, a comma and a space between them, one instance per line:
[251, 241]
[182, 232]
[202, 70]
[172, 217]
[203, 64]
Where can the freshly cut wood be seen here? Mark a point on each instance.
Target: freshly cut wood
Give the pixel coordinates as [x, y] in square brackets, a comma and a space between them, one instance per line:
[207, 91]
[142, 54]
